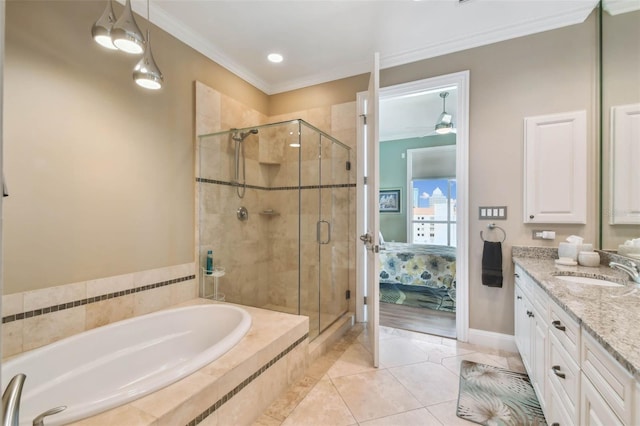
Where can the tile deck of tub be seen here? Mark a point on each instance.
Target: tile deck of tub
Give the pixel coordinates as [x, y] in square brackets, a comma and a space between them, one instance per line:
[271, 357]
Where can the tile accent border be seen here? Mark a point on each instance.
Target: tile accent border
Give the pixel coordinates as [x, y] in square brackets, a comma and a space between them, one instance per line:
[277, 188]
[75, 303]
[220, 402]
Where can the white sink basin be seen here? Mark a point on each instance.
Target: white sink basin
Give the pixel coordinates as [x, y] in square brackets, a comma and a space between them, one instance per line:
[589, 281]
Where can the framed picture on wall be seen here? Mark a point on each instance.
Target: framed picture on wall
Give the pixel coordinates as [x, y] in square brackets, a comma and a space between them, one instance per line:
[389, 200]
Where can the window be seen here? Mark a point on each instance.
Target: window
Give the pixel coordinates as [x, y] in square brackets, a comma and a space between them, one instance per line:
[434, 211]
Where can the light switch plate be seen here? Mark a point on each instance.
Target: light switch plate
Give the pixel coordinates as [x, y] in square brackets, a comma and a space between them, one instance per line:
[492, 212]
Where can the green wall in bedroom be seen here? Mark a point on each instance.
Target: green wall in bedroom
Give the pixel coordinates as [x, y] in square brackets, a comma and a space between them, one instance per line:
[393, 174]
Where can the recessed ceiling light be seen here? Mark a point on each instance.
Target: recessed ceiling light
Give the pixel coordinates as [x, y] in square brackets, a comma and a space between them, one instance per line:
[275, 58]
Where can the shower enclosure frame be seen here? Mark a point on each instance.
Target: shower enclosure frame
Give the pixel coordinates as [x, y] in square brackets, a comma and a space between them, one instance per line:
[297, 192]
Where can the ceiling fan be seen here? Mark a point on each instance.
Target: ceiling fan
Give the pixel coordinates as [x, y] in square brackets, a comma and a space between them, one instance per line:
[444, 125]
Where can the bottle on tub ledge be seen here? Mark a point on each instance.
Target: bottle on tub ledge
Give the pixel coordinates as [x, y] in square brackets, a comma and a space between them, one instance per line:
[209, 270]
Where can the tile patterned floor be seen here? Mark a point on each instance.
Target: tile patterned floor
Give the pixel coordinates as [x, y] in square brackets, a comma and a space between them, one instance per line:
[416, 384]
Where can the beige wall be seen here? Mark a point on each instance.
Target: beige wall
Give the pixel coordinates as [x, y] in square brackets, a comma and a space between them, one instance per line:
[550, 72]
[101, 172]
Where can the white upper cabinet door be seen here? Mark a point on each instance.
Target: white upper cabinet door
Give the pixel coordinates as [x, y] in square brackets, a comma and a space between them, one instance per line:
[625, 164]
[555, 168]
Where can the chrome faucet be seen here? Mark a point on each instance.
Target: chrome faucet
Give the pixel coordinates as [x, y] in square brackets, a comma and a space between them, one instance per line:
[631, 270]
[11, 401]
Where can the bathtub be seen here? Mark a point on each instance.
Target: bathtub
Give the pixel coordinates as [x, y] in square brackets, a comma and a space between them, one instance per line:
[109, 366]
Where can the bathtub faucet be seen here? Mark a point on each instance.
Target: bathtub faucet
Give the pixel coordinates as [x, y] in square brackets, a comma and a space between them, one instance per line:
[11, 401]
[39, 421]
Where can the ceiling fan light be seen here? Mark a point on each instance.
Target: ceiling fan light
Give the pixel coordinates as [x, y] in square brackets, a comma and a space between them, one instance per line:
[444, 128]
[126, 34]
[101, 29]
[146, 73]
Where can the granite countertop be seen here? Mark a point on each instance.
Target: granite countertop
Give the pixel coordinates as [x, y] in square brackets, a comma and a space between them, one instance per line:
[610, 314]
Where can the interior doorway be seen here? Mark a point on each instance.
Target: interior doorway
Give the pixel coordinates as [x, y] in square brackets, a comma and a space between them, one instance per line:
[423, 206]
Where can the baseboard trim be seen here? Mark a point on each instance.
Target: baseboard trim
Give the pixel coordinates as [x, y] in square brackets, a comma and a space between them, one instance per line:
[505, 342]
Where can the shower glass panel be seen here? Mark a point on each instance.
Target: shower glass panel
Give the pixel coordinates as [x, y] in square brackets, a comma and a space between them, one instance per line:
[290, 252]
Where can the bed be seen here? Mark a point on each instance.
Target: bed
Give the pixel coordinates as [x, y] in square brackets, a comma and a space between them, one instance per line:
[418, 275]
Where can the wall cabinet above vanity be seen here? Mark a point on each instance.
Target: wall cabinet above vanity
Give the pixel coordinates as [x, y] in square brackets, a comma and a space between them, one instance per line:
[555, 168]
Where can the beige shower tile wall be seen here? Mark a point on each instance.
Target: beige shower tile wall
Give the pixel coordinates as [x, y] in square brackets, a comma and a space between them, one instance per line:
[237, 245]
[260, 274]
[39, 329]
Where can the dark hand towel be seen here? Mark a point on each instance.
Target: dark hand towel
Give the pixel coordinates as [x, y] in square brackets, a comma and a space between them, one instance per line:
[492, 264]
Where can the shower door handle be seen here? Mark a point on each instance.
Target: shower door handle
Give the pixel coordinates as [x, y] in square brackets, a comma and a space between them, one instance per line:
[318, 230]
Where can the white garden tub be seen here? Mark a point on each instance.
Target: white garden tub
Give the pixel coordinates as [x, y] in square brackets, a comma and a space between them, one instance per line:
[112, 365]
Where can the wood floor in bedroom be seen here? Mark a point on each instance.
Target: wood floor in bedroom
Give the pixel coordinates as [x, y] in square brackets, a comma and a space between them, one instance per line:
[418, 319]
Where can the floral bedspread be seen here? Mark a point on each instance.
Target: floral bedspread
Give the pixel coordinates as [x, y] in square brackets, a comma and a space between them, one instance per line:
[420, 265]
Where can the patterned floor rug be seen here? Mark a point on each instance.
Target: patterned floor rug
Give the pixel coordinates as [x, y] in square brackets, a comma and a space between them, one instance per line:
[417, 296]
[494, 396]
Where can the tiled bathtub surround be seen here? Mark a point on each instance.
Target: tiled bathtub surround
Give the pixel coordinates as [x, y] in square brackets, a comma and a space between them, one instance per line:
[37, 318]
[234, 389]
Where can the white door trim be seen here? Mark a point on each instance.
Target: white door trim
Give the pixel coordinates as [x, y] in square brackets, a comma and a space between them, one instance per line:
[461, 80]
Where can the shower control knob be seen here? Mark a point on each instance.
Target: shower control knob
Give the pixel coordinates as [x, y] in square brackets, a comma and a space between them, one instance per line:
[242, 213]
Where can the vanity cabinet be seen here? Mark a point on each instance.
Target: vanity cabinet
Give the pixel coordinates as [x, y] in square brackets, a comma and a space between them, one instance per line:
[576, 380]
[555, 168]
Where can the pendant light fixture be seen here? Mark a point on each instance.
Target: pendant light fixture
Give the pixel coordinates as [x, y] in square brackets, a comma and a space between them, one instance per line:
[444, 124]
[101, 30]
[126, 34]
[146, 73]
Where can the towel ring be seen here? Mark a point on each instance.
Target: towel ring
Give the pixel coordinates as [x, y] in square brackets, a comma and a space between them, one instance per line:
[494, 226]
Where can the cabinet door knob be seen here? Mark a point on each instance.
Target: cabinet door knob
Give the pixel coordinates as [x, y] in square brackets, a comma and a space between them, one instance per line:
[517, 275]
[519, 297]
[557, 325]
[531, 216]
[556, 371]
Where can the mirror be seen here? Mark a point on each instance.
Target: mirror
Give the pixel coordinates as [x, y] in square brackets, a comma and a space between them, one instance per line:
[620, 125]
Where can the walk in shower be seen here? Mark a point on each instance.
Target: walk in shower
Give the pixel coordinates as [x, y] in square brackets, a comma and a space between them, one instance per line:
[273, 205]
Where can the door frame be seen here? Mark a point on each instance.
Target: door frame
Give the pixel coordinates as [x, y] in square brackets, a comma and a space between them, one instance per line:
[461, 80]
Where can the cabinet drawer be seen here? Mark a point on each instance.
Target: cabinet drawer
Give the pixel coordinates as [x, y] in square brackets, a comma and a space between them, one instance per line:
[611, 380]
[564, 376]
[565, 329]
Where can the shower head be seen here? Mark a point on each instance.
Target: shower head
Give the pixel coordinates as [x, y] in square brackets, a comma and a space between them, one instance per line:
[243, 135]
